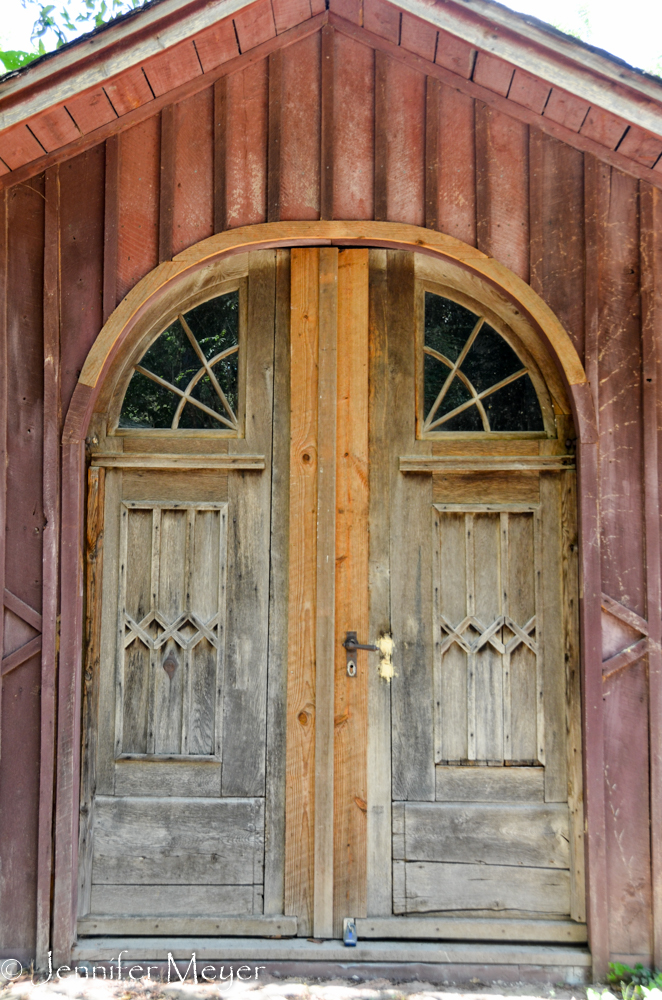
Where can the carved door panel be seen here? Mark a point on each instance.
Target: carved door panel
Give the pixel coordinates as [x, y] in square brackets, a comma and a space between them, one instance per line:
[179, 789]
[474, 752]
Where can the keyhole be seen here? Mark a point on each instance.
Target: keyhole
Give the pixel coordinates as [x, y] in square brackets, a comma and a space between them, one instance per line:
[170, 665]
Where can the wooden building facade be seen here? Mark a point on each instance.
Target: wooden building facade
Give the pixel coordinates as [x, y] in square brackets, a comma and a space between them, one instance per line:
[327, 325]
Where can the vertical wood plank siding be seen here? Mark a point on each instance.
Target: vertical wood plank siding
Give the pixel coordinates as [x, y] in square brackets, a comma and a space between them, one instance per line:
[358, 135]
[20, 725]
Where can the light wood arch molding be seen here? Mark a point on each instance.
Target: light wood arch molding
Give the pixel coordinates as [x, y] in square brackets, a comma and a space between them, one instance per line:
[518, 304]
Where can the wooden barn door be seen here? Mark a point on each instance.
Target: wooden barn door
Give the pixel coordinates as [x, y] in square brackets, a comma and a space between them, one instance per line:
[248, 770]
[474, 746]
[183, 668]
[440, 796]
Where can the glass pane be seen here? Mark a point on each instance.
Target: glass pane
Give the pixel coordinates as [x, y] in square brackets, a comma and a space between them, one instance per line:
[147, 404]
[435, 374]
[468, 420]
[490, 359]
[456, 394]
[193, 418]
[447, 325]
[515, 407]
[214, 326]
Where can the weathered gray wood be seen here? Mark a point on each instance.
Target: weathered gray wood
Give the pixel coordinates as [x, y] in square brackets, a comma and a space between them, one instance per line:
[479, 463]
[135, 597]
[160, 778]
[274, 847]
[209, 485]
[520, 578]
[486, 701]
[172, 565]
[176, 841]
[554, 667]
[176, 461]
[450, 668]
[561, 959]
[379, 901]
[398, 821]
[399, 893]
[93, 596]
[187, 900]
[488, 665]
[488, 834]
[109, 659]
[246, 650]
[410, 551]
[253, 926]
[490, 784]
[471, 928]
[437, 886]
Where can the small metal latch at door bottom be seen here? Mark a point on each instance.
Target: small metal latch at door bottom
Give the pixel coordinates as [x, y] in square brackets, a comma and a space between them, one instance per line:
[349, 934]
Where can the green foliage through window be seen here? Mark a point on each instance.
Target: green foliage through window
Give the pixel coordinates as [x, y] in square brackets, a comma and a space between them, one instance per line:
[189, 377]
[473, 379]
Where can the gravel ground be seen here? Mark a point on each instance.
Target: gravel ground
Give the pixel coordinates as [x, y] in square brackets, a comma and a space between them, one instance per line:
[269, 988]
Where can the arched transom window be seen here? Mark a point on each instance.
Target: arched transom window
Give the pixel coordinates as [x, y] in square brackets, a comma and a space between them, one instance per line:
[473, 379]
[189, 377]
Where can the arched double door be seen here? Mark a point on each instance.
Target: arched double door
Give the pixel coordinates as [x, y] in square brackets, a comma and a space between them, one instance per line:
[308, 450]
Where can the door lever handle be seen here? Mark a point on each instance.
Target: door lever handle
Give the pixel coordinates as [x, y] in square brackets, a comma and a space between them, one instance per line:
[384, 647]
[351, 644]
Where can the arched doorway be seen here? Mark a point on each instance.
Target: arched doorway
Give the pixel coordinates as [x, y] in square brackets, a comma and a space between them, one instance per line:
[351, 487]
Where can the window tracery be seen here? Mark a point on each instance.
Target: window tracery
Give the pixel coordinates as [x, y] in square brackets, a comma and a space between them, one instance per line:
[473, 380]
[189, 377]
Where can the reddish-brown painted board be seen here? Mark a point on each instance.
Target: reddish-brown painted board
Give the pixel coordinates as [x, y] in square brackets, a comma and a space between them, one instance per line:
[456, 198]
[502, 188]
[354, 125]
[193, 208]
[382, 19]
[246, 146]
[405, 139]
[418, 36]
[651, 315]
[81, 241]
[626, 794]
[255, 25]
[557, 230]
[172, 68]
[129, 91]
[619, 395]
[300, 130]
[19, 765]
[138, 226]
[54, 128]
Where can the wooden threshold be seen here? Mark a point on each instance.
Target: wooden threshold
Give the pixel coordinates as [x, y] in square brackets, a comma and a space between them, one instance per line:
[137, 460]
[480, 463]
[300, 949]
[472, 929]
[264, 926]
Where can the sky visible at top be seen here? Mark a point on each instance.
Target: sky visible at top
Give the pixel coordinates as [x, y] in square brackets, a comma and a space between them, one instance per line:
[631, 30]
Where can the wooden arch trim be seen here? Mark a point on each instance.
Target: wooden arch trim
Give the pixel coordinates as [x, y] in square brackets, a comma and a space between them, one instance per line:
[282, 234]
[105, 350]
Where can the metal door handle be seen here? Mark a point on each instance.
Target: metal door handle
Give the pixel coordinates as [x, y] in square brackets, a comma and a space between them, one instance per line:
[384, 648]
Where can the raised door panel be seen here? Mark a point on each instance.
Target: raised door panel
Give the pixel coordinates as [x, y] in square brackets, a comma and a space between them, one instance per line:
[171, 630]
